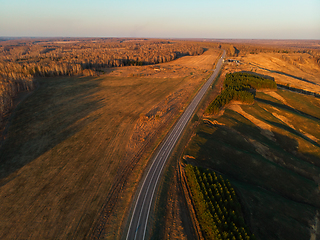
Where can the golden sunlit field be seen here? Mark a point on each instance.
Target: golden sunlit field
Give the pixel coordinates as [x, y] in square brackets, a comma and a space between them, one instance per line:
[269, 150]
[144, 120]
[74, 149]
[296, 65]
[272, 160]
[75, 139]
[296, 69]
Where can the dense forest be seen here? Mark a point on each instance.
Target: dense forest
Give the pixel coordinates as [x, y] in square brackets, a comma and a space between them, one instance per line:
[218, 210]
[237, 86]
[243, 47]
[21, 60]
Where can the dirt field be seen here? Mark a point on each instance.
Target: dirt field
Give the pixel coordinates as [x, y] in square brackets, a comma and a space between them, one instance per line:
[70, 140]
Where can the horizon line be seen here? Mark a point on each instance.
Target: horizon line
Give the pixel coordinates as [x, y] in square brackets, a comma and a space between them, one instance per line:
[175, 38]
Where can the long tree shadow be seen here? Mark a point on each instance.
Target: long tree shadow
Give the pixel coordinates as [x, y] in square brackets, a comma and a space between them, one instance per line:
[285, 74]
[259, 75]
[271, 180]
[287, 108]
[53, 113]
[293, 131]
[298, 90]
[271, 166]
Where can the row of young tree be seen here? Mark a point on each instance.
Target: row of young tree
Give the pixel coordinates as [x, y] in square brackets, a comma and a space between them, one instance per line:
[217, 208]
[23, 60]
[242, 81]
[237, 86]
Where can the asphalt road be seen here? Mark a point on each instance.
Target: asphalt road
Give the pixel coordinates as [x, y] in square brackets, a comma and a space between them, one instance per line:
[139, 219]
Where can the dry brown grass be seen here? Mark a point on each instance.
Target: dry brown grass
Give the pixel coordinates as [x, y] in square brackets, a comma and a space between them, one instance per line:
[69, 142]
[204, 61]
[149, 123]
[282, 119]
[173, 228]
[176, 221]
[187, 65]
[23, 59]
[265, 128]
[264, 147]
[299, 70]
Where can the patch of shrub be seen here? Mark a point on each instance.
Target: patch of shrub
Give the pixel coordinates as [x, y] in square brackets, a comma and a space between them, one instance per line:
[237, 87]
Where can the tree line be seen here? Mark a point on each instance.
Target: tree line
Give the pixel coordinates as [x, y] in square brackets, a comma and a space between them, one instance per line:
[23, 60]
[237, 86]
[217, 207]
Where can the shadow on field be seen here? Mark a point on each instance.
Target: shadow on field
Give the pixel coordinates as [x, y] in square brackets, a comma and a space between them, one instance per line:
[286, 107]
[293, 131]
[57, 110]
[259, 75]
[274, 182]
[285, 74]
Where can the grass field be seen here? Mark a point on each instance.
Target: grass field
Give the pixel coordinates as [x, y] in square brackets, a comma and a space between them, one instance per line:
[294, 69]
[270, 151]
[171, 219]
[70, 140]
[280, 131]
[203, 61]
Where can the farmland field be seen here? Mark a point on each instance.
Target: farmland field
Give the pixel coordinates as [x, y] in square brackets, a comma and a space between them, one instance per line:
[71, 140]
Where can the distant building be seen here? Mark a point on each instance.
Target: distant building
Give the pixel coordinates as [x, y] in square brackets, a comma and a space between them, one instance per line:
[233, 60]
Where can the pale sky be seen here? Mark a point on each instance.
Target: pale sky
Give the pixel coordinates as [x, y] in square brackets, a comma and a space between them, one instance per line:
[249, 19]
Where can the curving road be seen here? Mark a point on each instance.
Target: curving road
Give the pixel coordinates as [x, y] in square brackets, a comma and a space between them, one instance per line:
[139, 219]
